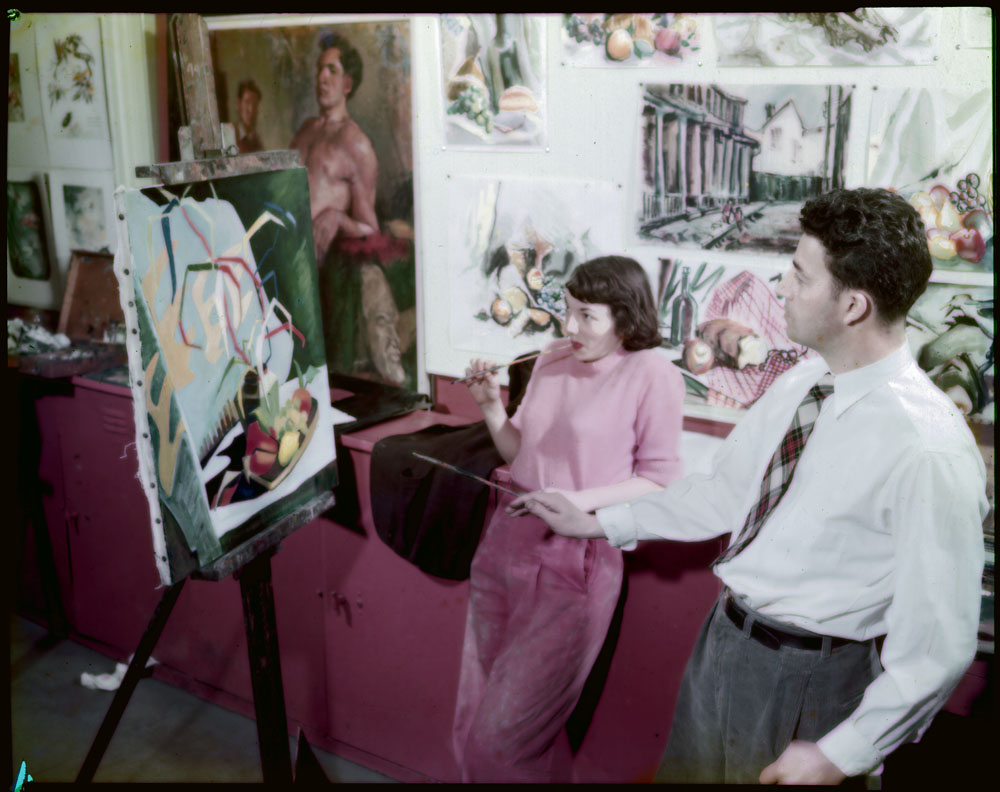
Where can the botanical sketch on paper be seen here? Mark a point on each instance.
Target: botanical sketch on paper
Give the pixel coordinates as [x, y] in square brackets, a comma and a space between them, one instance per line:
[71, 87]
[728, 167]
[512, 246]
[493, 79]
[340, 95]
[863, 37]
[935, 147]
[951, 333]
[27, 249]
[85, 219]
[15, 106]
[630, 39]
[725, 328]
[234, 378]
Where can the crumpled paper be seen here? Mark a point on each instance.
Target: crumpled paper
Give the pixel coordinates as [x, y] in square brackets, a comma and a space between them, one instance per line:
[113, 680]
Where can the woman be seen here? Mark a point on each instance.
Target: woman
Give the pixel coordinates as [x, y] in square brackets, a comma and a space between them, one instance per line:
[600, 422]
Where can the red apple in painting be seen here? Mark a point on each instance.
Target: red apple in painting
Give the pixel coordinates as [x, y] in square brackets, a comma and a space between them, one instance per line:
[261, 448]
[302, 399]
[668, 41]
[969, 244]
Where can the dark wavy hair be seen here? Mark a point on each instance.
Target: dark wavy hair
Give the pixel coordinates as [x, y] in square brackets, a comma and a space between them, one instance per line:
[875, 241]
[620, 283]
[350, 58]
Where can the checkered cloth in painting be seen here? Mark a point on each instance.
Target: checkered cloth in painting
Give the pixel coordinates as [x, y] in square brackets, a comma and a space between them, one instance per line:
[778, 474]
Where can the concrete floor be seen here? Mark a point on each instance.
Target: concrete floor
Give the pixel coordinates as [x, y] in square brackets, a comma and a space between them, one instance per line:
[165, 735]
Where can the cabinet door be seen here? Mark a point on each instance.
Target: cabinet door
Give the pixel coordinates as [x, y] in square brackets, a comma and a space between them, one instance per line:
[394, 640]
[113, 574]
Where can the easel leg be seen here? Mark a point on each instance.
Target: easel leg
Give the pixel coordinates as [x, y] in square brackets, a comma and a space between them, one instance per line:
[265, 670]
[132, 676]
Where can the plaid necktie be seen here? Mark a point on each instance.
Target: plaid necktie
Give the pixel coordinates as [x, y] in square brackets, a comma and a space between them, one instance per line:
[778, 474]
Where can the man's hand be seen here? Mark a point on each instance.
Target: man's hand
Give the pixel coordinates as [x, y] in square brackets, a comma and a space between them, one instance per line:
[801, 763]
[561, 515]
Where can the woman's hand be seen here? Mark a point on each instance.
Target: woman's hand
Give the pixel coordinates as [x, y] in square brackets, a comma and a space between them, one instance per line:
[485, 388]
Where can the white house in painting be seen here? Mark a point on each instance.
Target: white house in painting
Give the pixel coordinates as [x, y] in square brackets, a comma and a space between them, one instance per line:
[787, 146]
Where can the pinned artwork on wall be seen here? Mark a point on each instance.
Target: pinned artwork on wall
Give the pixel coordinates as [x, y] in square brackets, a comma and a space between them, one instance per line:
[339, 93]
[662, 39]
[934, 146]
[724, 326]
[951, 333]
[493, 80]
[32, 277]
[863, 37]
[71, 72]
[26, 139]
[228, 369]
[727, 167]
[83, 208]
[512, 245]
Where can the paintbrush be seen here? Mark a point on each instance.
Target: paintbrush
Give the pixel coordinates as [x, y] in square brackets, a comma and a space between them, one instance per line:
[515, 360]
[453, 469]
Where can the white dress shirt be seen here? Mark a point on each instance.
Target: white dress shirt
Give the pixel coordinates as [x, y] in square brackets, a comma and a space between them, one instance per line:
[879, 533]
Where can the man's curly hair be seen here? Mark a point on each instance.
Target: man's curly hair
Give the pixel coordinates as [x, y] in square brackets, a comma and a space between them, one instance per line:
[875, 241]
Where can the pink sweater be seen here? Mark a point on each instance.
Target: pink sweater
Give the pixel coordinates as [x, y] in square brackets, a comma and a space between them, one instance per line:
[587, 425]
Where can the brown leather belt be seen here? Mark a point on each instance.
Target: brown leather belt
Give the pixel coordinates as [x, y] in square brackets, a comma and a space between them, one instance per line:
[774, 638]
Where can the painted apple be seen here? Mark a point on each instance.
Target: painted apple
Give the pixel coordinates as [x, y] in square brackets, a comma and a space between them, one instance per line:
[261, 448]
[302, 400]
[921, 198]
[969, 244]
[668, 40]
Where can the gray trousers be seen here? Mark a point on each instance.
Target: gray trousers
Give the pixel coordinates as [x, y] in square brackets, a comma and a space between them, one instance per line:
[741, 703]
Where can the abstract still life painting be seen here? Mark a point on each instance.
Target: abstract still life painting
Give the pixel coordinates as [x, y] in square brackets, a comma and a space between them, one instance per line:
[339, 94]
[724, 327]
[233, 416]
[493, 79]
[629, 39]
[934, 146]
[728, 167]
[512, 245]
[863, 37]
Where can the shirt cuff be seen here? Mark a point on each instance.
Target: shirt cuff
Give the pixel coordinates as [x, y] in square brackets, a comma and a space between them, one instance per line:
[847, 748]
[618, 525]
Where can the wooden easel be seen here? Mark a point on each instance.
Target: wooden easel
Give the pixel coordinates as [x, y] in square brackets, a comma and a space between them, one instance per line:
[249, 562]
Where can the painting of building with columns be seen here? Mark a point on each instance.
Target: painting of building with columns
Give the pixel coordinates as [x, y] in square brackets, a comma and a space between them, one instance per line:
[727, 167]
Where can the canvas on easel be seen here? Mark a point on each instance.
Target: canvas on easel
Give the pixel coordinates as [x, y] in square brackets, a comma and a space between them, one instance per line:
[227, 363]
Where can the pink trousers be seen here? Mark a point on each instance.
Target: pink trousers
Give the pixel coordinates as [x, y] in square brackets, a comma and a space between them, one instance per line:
[539, 609]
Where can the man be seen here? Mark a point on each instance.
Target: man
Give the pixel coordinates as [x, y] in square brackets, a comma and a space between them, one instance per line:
[851, 599]
[353, 256]
[341, 163]
[248, 102]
